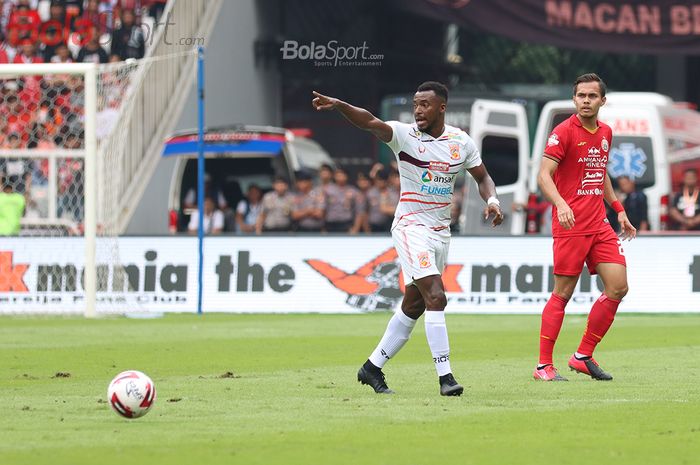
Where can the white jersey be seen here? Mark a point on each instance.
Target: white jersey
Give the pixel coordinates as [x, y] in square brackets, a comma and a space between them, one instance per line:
[428, 168]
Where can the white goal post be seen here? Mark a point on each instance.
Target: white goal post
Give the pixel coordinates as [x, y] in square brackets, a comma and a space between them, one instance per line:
[88, 71]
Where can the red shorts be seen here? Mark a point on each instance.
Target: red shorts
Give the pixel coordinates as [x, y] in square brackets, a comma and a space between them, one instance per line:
[571, 252]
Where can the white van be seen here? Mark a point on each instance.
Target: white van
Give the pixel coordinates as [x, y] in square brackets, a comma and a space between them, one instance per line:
[654, 141]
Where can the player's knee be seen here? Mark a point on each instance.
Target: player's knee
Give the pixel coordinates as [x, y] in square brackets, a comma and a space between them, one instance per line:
[436, 300]
[413, 311]
[618, 292]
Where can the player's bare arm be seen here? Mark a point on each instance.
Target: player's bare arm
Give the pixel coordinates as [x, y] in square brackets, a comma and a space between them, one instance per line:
[627, 231]
[487, 190]
[360, 117]
[545, 180]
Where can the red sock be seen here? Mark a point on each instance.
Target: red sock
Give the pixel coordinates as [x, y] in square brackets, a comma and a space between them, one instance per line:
[599, 321]
[552, 318]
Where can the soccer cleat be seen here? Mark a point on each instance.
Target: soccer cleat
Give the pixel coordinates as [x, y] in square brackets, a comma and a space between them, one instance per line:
[449, 386]
[588, 366]
[548, 373]
[374, 378]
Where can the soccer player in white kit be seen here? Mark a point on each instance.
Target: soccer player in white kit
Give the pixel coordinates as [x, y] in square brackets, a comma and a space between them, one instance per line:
[430, 155]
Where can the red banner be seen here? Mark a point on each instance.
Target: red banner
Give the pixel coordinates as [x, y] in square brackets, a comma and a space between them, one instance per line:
[651, 26]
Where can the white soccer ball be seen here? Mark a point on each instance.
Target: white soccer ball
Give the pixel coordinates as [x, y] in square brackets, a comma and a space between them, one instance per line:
[131, 394]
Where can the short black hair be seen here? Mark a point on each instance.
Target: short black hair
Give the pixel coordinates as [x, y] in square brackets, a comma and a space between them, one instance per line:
[591, 77]
[691, 170]
[439, 88]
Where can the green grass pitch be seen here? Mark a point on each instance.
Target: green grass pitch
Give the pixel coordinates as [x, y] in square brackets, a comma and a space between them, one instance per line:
[281, 389]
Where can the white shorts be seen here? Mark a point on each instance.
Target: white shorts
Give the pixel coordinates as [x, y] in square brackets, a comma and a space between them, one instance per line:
[422, 252]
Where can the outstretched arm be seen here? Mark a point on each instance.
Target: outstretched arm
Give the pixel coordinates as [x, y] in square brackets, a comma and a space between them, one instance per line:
[487, 190]
[357, 116]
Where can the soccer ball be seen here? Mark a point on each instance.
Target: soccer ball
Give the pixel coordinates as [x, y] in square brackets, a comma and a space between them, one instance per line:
[131, 394]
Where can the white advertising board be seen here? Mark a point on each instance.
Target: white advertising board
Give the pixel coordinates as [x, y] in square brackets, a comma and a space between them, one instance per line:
[330, 275]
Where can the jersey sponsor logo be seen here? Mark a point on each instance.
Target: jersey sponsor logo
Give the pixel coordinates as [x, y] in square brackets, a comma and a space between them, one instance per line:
[454, 151]
[595, 191]
[553, 140]
[592, 177]
[582, 143]
[428, 177]
[594, 151]
[424, 259]
[439, 166]
[435, 190]
[604, 145]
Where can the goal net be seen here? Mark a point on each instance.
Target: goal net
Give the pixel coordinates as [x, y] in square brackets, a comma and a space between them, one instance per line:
[59, 246]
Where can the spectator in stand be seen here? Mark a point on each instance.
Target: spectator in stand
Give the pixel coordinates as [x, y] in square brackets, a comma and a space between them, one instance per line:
[24, 21]
[27, 54]
[11, 209]
[95, 17]
[15, 114]
[128, 41]
[344, 205]
[92, 52]
[276, 208]
[685, 208]
[325, 175]
[309, 205]
[635, 203]
[213, 221]
[4, 48]
[381, 203]
[16, 171]
[155, 8]
[249, 209]
[211, 189]
[74, 8]
[62, 54]
[70, 181]
[394, 180]
[53, 31]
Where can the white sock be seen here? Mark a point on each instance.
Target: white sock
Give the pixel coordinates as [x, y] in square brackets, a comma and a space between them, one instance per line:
[436, 333]
[397, 333]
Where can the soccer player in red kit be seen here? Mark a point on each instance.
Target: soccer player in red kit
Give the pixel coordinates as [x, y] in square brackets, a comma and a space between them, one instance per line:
[574, 178]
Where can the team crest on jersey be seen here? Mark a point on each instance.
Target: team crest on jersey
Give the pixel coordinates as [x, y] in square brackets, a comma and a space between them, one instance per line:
[454, 151]
[421, 148]
[553, 140]
[424, 259]
[441, 166]
[604, 145]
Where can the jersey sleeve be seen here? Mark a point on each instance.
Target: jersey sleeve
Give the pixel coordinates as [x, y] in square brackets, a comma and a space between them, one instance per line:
[472, 156]
[556, 144]
[399, 132]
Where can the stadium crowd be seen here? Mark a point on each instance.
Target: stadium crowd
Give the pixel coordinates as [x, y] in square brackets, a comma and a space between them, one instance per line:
[45, 112]
[326, 202]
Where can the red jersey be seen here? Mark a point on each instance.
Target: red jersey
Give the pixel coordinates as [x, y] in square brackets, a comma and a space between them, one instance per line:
[580, 177]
